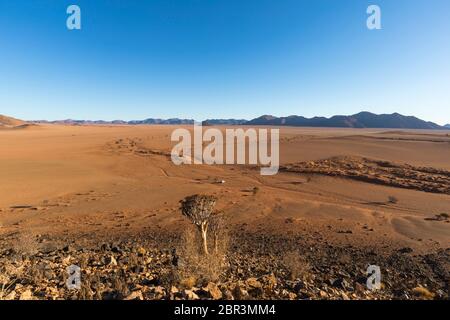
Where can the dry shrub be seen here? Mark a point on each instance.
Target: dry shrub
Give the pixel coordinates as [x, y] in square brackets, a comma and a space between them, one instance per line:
[193, 264]
[91, 288]
[423, 293]
[298, 266]
[392, 199]
[26, 244]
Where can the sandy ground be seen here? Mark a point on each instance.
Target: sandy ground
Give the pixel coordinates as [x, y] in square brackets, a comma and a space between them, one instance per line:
[69, 181]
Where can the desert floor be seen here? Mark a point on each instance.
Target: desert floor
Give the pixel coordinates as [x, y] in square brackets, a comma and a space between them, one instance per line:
[107, 198]
[102, 180]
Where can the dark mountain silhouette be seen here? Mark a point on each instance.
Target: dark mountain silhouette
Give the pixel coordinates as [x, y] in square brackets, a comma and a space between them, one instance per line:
[173, 121]
[215, 122]
[359, 120]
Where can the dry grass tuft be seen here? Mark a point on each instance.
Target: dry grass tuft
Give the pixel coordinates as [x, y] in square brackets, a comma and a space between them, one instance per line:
[193, 264]
[298, 266]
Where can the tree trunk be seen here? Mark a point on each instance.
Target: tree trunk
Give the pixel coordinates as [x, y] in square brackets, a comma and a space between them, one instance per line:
[205, 243]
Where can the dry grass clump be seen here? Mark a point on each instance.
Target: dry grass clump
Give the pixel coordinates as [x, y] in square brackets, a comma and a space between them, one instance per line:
[297, 266]
[392, 199]
[423, 293]
[26, 244]
[196, 267]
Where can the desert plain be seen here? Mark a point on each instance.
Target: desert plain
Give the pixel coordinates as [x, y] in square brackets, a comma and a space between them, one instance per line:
[343, 199]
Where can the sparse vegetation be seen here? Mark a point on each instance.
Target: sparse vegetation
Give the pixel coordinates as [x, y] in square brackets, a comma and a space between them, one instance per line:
[392, 199]
[199, 208]
[297, 266]
[193, 265]
[216, 226]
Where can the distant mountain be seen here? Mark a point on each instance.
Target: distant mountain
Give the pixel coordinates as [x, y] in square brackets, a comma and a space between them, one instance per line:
[12, 123]
[359, 120]
[218, 122]
[174, 121]
[163, 121]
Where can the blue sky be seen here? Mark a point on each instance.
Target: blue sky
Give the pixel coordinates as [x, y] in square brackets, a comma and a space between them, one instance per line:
[223, 58]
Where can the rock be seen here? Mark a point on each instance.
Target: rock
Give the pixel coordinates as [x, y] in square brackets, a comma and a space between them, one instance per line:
[135, 295]
[269, 281]
[26, 295]
[423, 293]
[359, 287]
[227, 295]
[10, 296]
[174, 290]
[323, 294]
[190, 295]
[141, 251]
[340, 283]
[254, 288]
[239, 293]
[159, 292]
[291, 296]
[111, 261]
[67, 248]
[344, 296]
[253, 283]
[405, 250]
[213, 291]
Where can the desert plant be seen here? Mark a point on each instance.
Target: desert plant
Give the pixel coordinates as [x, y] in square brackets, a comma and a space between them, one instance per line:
[216, 225]
[297, 266]
[392, 199]
[194, 266]
[198, 208]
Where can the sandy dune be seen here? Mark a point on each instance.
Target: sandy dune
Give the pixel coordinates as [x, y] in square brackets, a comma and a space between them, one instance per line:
[72, 180]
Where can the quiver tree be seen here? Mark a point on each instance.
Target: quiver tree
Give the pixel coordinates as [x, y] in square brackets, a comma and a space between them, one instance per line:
[216, 224]
[198, 208]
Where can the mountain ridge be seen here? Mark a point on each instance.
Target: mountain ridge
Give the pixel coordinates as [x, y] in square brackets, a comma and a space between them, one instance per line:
[362, 119]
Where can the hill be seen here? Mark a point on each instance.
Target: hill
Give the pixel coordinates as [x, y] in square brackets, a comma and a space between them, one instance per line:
[359, 120]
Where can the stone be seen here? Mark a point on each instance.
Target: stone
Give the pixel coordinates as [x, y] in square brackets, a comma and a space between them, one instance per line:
[340, 283]
[190, 295]
[141, 251]
[26, 295]
[253, 283]
[111, 261]
[344, 296]
[270, 281]
[239, 293]
[135, 295]
[213, 291]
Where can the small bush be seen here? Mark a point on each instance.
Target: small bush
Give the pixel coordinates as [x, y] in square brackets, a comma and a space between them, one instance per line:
[297, 266]
[392, 199]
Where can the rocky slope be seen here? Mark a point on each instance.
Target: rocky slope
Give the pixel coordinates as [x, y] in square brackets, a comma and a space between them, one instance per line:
[255, 266]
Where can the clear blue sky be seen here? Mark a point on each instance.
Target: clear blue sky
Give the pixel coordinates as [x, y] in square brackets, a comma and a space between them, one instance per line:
[223, 58]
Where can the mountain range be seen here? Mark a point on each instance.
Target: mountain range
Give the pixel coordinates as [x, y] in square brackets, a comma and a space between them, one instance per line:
[360, 120]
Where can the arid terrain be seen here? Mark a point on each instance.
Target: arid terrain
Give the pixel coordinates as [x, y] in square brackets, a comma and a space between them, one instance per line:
[107, 198]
